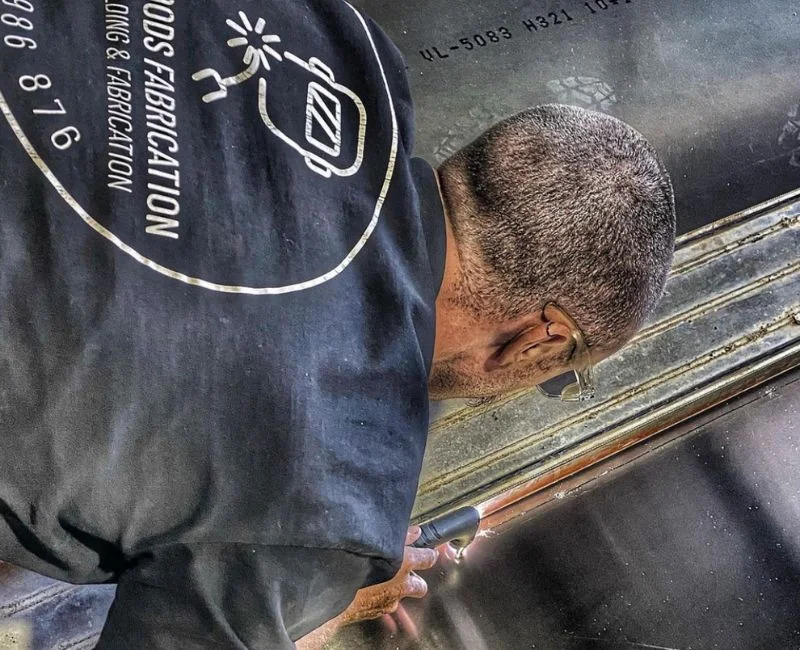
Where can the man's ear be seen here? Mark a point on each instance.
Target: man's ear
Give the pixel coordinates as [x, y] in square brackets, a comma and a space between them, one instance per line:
[537, 340]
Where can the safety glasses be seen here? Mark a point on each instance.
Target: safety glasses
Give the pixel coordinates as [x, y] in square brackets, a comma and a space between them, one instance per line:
[577, 385]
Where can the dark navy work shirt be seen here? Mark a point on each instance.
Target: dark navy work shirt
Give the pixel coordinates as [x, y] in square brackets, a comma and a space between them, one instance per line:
[218, 270]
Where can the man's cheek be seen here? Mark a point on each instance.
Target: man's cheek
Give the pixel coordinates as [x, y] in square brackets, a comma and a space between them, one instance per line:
[443, 381]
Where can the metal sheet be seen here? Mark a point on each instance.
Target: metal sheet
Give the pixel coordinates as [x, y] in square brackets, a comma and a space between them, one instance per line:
[695, 544]
[713, 85]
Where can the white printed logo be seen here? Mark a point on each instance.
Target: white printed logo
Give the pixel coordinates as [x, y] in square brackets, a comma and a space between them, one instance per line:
[237, 245]
[323, 115]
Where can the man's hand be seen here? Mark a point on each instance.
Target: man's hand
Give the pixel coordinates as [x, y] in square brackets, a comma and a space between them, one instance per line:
[384, 599]
[374, 602]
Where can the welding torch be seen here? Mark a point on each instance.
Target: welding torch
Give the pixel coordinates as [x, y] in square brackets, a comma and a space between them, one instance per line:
[457, 528]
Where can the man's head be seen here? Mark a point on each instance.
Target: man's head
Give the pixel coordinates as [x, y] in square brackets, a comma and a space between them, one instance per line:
[557, 217]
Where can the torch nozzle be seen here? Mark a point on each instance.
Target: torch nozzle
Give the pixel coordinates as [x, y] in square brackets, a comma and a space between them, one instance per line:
[458, 528]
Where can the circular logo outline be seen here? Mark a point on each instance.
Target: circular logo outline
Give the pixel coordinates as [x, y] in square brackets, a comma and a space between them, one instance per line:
[199, 282]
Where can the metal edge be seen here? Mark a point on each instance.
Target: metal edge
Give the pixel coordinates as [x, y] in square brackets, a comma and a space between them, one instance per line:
[785, 319]
[583, 478]
[725, 248]
[729, 222]
[599, 448]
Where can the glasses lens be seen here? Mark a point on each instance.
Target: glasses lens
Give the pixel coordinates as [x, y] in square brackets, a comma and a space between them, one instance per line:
[558, 386]
[571, 393]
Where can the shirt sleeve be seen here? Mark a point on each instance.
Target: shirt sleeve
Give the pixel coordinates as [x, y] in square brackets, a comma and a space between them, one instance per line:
[230, 596]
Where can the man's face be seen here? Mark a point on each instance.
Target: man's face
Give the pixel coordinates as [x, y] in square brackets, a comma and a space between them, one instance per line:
[532, 352]
[466, 376]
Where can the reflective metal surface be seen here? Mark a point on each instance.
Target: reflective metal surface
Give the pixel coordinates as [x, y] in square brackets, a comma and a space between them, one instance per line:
[713, 85]
[693, 544]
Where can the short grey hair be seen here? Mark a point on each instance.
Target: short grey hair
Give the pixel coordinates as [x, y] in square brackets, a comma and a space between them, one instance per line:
[563, 204]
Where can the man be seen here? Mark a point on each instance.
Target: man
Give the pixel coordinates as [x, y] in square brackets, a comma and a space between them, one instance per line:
[225, 284]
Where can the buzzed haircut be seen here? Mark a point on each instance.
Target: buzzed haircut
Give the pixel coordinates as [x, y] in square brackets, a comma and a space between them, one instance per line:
[562, 204]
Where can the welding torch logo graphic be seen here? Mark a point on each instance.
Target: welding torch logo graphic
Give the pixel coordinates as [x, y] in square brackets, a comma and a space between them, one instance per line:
[324, 127]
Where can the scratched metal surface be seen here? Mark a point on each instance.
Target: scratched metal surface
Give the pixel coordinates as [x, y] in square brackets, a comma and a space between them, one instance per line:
[714, 85]
[693, 545]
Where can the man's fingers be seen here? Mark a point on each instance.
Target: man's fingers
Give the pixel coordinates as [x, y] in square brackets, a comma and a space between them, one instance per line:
[414, 587]
[419, 559]
[405, 623]
[413, 535]
[390, 624]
